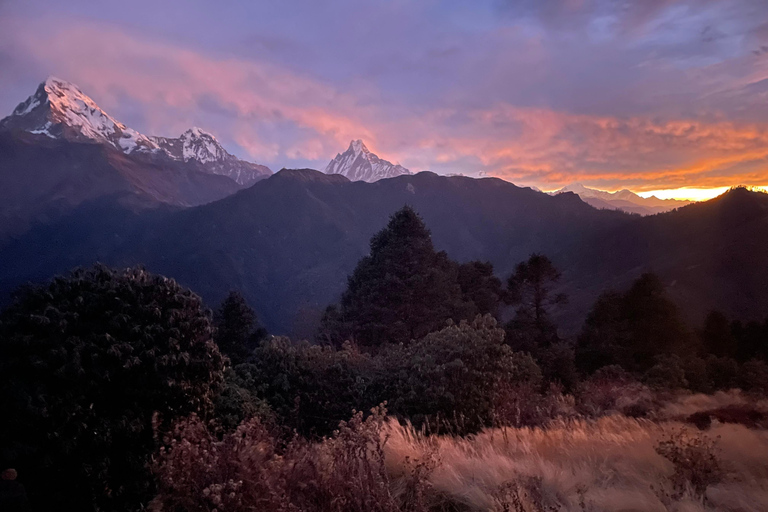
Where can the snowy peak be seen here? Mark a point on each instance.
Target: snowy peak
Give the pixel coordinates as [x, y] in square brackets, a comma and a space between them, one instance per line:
[201, 146]
[357, 147]
[357, 163]
[197, 145]
[60, 110]
[624, 200]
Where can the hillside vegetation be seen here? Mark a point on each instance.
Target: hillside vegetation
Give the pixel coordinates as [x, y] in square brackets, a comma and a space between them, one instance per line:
[432, 385]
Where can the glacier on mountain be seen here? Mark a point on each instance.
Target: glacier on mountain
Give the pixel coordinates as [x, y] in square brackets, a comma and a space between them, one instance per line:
[357, 163]
[59, 109]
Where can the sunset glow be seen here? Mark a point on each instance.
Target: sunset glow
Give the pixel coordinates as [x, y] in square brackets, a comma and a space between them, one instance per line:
[688, 194]
[637, 97]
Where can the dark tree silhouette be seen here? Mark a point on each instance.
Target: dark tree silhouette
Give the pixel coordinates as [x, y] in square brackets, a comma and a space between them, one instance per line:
[403, 290]
[531, 288]
[632, 328]
[88, 363]
[238, 332]
[716, 336]
[481, 288]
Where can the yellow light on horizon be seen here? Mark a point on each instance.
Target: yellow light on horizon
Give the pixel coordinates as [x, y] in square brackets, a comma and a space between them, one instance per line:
[686, 194]
[693, 194]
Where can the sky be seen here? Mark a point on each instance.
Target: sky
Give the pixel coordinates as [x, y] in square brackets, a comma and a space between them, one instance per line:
[651, 95]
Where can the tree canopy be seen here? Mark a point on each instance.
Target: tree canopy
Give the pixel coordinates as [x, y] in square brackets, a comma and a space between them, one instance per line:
[88, 363]
[238, 332]
[632, 328]
[405, 289]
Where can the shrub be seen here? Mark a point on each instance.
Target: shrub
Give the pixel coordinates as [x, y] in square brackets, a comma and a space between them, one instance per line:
[238, 401]
[722, 372]
[450, 376]
[693, 456]
[87, 361]
[523, 405]
[310, 388]
[612, 389]
[754, 376]
[667, 374]
[249, 470]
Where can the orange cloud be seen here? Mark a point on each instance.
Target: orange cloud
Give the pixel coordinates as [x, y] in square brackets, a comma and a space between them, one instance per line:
[276, 114]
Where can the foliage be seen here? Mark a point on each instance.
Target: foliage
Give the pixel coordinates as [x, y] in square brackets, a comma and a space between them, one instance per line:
[248, 470]
[87, 362]
[717, 337]
[481, 289]
[450, 376]
[237, 331]
[237, 401]
[310, 388]
[632, 328]
[751, 340]
[668, 373]
[531, 288]
[404, 289]
[523, 404]
[612, 389]
[722, 372]
[754, 376]
[693, 456]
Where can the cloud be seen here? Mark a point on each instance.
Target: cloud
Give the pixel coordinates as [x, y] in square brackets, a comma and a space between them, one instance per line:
[672, 104]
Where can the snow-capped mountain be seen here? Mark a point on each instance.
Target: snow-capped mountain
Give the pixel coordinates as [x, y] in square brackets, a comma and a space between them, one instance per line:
[60, 110]
[201, 146]
[357, 163]
[624, 200]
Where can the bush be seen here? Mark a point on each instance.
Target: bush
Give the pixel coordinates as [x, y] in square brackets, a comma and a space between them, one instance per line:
[523, 405]
[238, 402]
[248, 470]
[310, 388]
[612, 389]
[754, 376]
[88, 362]
[667, 374]
[722, 372]
[450, 376]
[693, 456]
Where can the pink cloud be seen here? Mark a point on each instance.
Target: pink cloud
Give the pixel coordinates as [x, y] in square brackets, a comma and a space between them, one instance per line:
[277, 114]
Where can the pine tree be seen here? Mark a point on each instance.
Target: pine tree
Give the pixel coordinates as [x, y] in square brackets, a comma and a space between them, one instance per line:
[237, 330]
[532, 290]
[401, 291]
[633, 328]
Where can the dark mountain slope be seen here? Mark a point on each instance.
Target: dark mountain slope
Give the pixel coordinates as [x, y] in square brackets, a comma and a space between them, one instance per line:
[41, 178]
[711, 255]
[289, 242]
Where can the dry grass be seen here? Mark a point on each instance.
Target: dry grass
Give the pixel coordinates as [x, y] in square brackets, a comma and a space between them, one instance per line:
[609, 464]
[612, 463]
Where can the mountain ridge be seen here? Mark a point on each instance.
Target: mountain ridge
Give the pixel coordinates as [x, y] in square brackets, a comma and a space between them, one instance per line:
[59, 109]
[624, 200]
[289, 242]
[358, 163]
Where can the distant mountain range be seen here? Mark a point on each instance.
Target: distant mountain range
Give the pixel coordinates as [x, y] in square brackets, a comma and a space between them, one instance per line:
[357, 163]
[624, 200]
[290, 241]
[59, 148]
[77, 186]
[59, 110]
